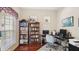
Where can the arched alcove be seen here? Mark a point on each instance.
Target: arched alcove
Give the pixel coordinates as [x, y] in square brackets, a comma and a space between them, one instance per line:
[23, 32]
[8, 18]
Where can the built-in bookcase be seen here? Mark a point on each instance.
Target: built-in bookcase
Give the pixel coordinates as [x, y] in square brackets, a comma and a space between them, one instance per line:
[23, 31]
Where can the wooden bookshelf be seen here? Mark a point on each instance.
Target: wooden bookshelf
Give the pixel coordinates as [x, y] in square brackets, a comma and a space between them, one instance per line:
[23, 32]
[34, 32]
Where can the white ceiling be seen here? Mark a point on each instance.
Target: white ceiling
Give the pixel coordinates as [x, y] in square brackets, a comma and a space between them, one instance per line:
[42, 8]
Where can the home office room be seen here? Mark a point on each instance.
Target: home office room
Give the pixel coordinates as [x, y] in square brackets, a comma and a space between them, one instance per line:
[39, 28]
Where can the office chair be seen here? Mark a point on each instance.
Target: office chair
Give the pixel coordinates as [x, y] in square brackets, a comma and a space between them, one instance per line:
[50, 42]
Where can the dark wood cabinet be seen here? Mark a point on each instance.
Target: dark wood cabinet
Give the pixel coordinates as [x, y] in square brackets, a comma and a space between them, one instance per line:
[34, 31]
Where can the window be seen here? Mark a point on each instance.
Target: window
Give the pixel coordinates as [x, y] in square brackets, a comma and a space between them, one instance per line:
[8, 18]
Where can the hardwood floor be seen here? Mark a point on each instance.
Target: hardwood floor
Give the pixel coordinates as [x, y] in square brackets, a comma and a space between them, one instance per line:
[31, 47]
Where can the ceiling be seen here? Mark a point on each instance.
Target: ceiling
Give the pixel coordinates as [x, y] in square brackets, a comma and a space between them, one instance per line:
[42, 8]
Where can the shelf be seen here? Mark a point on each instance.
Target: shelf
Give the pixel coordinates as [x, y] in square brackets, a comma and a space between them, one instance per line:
[35, 38]
[34, 31]
[23, 34]
[23, 31]
[33, 34]
[34, 27]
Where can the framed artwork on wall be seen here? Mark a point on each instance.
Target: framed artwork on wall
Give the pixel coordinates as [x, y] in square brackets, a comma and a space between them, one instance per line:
[47, 19]
[68, 22]
[46, 23]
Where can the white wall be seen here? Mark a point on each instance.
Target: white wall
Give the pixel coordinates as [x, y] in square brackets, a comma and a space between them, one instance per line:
[41, 14]
[66, 12]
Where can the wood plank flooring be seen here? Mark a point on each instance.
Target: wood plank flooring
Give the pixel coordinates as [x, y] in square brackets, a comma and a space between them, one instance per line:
[31, 47]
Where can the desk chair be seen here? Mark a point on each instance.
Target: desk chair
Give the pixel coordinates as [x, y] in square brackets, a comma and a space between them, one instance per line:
[51, 42]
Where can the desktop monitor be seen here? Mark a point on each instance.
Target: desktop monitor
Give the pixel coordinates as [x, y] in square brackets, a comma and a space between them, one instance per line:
[63, 32]
[45, 31]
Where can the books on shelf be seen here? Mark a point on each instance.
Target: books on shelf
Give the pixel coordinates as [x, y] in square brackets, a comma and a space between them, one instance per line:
[23, 32]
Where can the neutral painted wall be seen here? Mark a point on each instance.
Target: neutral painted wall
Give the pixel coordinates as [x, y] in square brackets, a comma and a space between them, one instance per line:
[41, 14]
[66, 12]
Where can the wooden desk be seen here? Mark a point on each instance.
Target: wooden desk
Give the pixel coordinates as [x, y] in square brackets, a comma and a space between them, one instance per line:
[73, 44]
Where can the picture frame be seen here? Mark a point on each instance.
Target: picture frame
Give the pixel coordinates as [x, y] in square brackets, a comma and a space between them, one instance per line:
[47, 19]
[68, 22]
